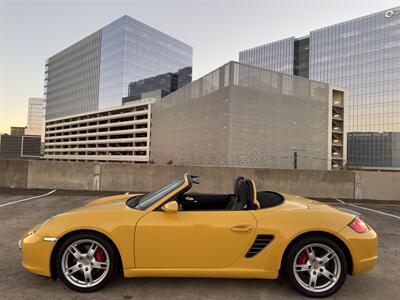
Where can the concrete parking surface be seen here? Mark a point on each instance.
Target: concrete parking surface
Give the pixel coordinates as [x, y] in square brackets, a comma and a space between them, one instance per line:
[16, 283]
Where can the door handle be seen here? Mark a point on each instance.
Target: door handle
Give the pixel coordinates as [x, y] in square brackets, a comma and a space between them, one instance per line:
[242, 228]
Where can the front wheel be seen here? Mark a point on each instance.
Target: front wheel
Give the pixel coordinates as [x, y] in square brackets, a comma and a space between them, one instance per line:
[86, 262]
[316, 266]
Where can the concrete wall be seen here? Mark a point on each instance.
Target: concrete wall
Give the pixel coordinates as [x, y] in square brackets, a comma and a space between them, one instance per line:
[220, 179]
[13, 173]
[239, 115]
[191, 129]
[136, 177]
[63, 175]
[268, 118]
[377, 185]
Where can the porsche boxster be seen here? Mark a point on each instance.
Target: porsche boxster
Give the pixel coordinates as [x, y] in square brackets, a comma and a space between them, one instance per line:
[173, 233]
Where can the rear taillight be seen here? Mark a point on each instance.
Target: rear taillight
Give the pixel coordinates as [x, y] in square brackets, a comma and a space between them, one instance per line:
[359, 225]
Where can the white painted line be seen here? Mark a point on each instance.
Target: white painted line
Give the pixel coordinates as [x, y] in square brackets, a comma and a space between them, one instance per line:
[370, 209]
[27, 199]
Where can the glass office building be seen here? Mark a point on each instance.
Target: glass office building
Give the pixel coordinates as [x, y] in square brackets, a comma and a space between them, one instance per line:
[158, 86]
[362, 55]
[277, 56]
[95, 72]
[71, 83]
[35, 120]
[374, 149]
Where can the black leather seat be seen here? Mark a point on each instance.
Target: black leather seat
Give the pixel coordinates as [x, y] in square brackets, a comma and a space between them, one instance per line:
[233, 203]
[252, 195]
[245, 195]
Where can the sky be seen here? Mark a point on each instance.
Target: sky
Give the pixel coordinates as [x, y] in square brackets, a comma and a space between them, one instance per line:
[32, 31]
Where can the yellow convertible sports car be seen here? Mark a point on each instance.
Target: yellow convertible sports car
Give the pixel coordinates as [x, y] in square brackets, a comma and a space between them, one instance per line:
[171, 232]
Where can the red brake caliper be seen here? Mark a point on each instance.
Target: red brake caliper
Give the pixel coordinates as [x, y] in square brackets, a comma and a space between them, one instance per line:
[303, 258]
[99, 255]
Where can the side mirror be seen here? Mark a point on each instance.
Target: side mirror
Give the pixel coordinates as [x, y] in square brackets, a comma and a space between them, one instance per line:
[170, 207]
[195, 179]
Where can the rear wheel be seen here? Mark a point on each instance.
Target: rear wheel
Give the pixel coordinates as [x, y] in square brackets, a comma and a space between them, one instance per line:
[86, 262]
[316, 266]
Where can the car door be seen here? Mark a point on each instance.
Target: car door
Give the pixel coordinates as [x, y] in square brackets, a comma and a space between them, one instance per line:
[193, 239]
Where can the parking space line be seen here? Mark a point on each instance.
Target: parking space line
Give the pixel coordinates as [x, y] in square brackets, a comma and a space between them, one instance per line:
[27, 199]
[370, 209]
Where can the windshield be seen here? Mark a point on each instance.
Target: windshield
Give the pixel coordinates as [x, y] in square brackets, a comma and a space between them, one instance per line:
[145, 201]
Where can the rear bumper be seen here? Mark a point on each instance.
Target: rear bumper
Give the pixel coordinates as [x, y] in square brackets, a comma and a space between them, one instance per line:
[363, 249]
[36, 254]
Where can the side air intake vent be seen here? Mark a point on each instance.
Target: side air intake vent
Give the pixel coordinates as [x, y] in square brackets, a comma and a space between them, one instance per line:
[259, 244]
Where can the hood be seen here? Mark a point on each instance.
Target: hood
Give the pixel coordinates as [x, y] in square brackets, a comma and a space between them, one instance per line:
[104, 213]
[111, 199]
[106, 204]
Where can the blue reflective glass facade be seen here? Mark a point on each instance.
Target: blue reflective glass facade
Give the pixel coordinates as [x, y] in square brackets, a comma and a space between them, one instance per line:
[374, 149]
[71, 83]
[362, 55]
[95, 72]
[132, 51]
[276, 56]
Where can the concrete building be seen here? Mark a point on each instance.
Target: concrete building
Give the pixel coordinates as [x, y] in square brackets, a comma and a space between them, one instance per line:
[35, 118]
[120, 133]
[362, 55]
[19, 147]
[95, 72]
[17, 131]
[240, 115]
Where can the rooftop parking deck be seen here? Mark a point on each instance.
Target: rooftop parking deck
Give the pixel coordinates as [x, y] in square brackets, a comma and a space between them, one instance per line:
[16, 283]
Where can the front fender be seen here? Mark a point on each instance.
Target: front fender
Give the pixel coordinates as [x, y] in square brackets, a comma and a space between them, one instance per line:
[118, 227]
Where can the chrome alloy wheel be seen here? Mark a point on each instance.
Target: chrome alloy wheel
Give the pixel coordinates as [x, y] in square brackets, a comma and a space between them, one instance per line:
[317, 267]
[85, 263]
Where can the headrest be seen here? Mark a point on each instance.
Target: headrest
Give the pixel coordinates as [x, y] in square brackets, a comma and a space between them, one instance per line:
[246, 194]
[252, 200]
[236, 186]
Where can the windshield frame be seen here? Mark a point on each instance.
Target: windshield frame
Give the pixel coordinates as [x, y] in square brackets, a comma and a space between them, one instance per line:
[167, 191]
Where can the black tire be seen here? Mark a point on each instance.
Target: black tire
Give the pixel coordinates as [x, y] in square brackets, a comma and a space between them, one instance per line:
[289, 273]
[107, 247]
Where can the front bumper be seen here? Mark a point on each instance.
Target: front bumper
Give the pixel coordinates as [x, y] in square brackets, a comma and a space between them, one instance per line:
[36, 253]
[363, 249]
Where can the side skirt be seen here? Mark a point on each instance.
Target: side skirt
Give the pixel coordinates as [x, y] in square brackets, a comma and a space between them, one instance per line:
[202, 273]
